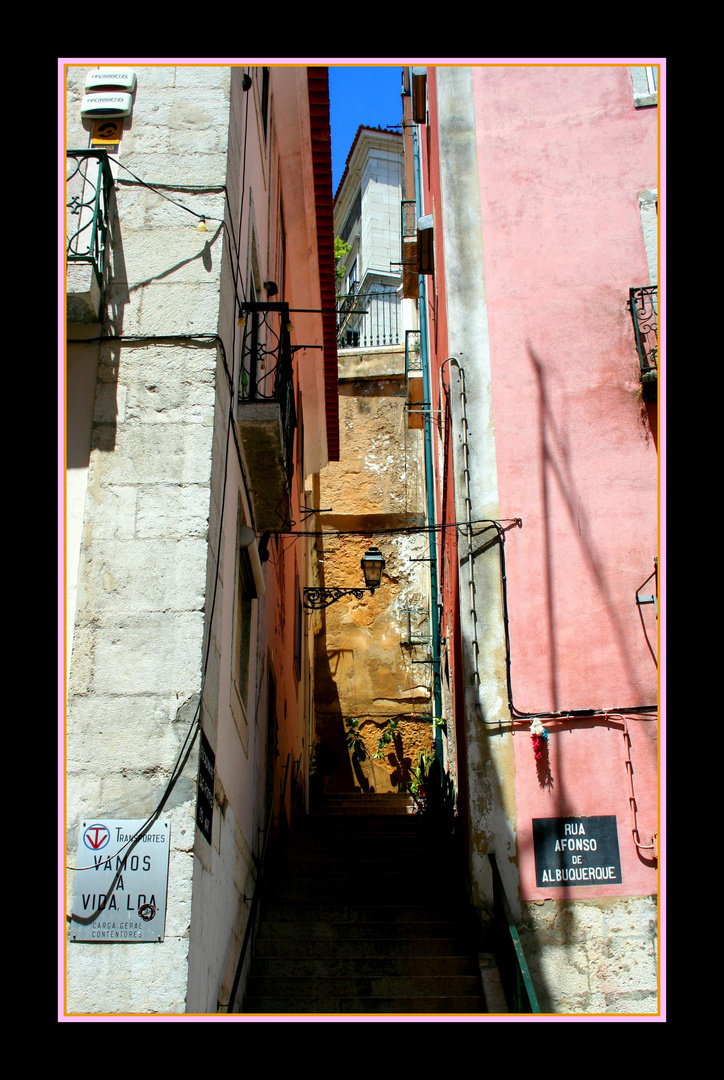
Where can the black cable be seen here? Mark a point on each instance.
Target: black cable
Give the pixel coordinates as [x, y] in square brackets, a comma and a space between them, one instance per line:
[395, 530]
[643, 627]
[515, 714]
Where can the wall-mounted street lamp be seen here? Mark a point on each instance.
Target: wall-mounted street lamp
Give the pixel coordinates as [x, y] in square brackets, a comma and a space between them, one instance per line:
[372, 566]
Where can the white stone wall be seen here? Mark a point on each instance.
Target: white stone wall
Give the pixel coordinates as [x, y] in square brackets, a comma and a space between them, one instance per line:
[595, 957]
[137, 650]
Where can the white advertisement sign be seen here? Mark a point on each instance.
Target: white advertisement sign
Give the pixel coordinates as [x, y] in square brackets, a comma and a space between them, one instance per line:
[121, 880]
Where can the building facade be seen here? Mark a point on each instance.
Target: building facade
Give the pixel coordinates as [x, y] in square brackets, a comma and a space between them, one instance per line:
[537, 200]
[373, 689]
[201, 396]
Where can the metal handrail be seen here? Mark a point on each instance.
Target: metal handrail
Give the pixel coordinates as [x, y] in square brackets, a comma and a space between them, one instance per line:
[508, 949]
[88, 194]
[261, 864]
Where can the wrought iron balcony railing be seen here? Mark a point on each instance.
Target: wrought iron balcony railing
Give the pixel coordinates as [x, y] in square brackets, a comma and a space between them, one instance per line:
[266, 369]
[643, 304]
[367, 320]
[89, 185]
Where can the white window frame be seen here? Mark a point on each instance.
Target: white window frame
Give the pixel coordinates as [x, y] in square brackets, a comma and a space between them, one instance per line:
[649, 211]
[644, 80]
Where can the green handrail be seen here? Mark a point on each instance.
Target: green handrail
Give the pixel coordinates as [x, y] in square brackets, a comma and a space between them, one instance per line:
[509, 954]
[88, 191]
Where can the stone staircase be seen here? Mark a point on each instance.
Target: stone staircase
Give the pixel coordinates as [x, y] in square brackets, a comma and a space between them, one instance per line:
[364, 914]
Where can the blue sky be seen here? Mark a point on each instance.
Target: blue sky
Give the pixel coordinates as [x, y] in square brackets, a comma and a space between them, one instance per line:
[360, 95]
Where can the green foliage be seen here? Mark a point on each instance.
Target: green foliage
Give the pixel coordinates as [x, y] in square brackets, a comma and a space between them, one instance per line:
[434, 794]
[341, 250]
[386, 738]
[419, 775]
[353, 738]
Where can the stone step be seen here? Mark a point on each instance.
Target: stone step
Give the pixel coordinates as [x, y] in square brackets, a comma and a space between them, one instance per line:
[392, 803]
[325, 860]
[379, 985]
[364, 914]
[373, 895]
[376, 933]
[392, 915]
[354, 968]
[275, 939]
[428, 881]
[364, 1006]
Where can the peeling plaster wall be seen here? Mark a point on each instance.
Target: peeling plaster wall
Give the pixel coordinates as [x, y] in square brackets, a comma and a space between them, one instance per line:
[363, 667]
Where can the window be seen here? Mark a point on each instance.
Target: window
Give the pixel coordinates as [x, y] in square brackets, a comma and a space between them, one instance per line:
[649, 210]
[298, 628]
[645, 85]
[246, 592]
[244, 613]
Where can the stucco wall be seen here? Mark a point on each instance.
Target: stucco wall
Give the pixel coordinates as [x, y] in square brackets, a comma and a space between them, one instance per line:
[539, 225]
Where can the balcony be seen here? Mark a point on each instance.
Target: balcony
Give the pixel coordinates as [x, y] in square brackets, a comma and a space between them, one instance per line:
[643, 304]
[368, 320]
[266, 416]
[89, 188]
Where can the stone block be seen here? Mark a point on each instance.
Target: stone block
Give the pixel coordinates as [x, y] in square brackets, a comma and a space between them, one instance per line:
[172, 511]
[143, 575]
[142, 978]
[167, 245]
[153, 653]
[111, 514]
[110, 735]
[110, 404]
[168, 308]
[201, 169]
[151, 453]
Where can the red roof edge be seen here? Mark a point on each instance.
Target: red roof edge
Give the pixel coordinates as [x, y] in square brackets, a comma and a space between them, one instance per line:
[318, 86]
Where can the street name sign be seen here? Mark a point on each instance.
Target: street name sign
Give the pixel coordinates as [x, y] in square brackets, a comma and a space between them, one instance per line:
[576, 851]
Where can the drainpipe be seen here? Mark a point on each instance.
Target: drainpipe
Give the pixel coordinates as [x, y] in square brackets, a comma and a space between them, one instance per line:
[429, 474]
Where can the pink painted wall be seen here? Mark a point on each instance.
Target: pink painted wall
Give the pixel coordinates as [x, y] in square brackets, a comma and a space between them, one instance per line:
[562, 155]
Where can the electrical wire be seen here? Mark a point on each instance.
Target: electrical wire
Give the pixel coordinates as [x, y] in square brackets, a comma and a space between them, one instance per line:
[396, 530]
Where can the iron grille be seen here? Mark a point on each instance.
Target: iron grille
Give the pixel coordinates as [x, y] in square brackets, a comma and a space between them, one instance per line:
[644, 307]
[266, 367]
[366, 320]
[89, 185]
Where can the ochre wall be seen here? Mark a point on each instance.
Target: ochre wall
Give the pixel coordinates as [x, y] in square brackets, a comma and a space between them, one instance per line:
[363, 668]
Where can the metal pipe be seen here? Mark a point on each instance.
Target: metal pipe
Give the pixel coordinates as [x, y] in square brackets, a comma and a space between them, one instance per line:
[468, 505]
[429, 474]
